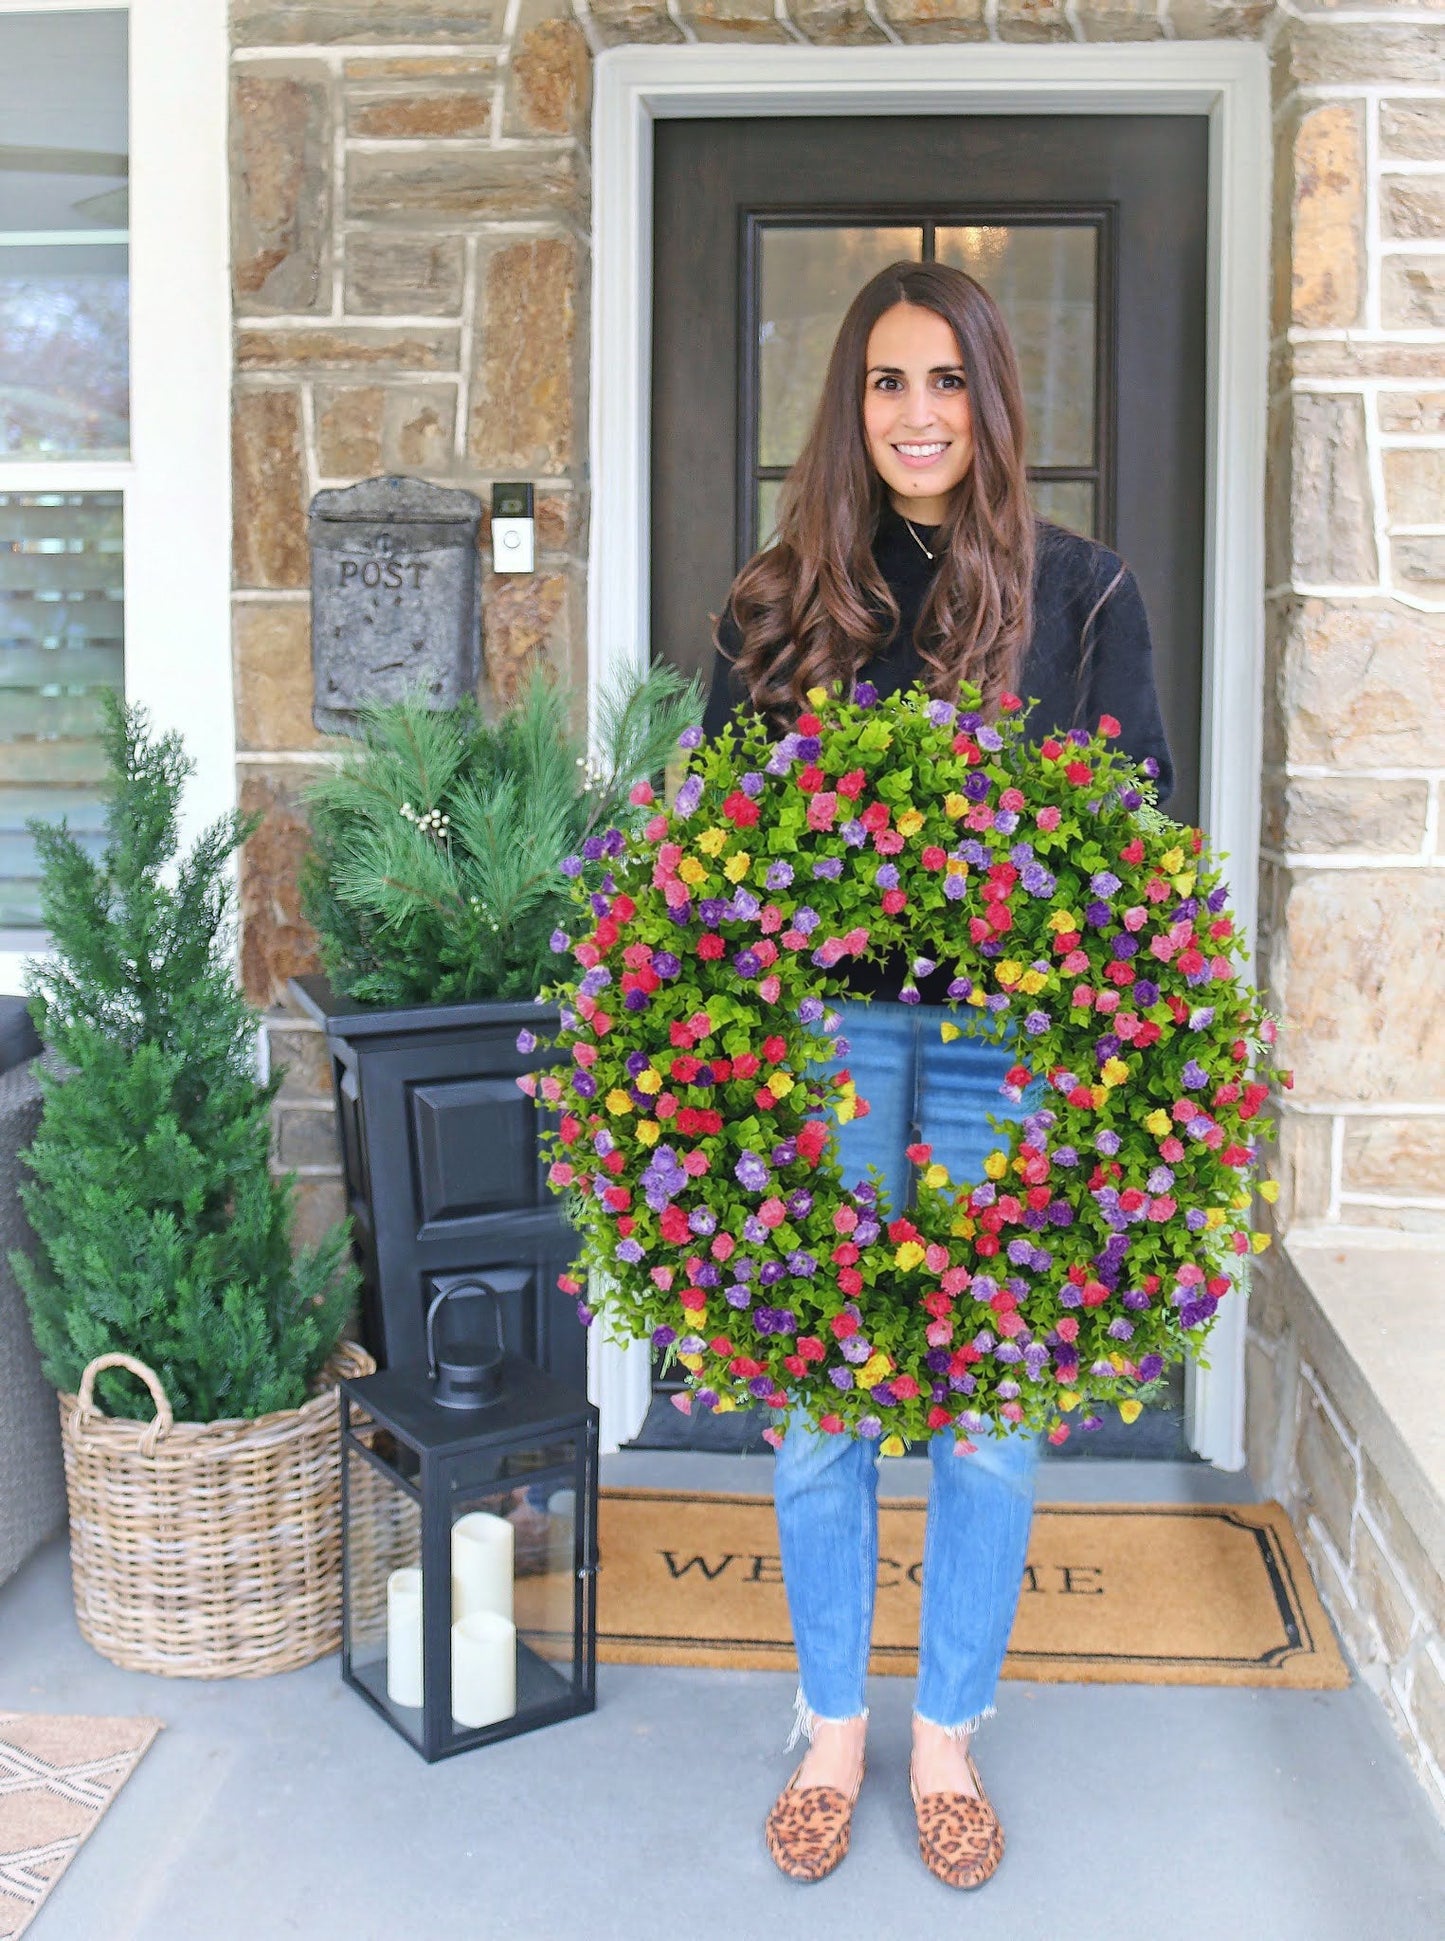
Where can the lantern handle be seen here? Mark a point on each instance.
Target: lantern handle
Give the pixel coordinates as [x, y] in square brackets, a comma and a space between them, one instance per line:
[463, 1288]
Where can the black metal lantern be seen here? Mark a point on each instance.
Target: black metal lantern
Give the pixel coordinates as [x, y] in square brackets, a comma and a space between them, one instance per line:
[469, 1544]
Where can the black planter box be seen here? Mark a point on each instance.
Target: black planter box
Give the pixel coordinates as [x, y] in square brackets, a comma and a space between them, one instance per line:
[444, 1176]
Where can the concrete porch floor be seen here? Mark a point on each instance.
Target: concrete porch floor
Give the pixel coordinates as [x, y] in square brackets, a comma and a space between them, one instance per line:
[284, 1807]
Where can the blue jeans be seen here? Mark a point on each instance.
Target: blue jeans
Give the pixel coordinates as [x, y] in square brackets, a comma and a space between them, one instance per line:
[825, 1486]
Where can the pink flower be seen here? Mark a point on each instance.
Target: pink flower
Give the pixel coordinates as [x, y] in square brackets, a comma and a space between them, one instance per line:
[695, 1164]
[640, 794]
[770, 990]
[1136, 918]
[772, 1212]
[655, 828]
[1049, 816]
[822, 808]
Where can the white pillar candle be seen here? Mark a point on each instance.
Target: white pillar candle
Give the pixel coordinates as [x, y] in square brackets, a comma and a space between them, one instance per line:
[403, 1637]
[484, 1669]
[483, 1564]
[562, 1536]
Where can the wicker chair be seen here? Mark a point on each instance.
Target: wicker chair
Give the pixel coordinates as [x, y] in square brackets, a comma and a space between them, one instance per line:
[32, 1479]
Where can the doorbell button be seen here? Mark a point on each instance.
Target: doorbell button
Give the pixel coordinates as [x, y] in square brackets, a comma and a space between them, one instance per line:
[513, 530]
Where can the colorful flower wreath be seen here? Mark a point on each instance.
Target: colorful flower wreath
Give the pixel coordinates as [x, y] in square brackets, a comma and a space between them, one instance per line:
[692, 1140]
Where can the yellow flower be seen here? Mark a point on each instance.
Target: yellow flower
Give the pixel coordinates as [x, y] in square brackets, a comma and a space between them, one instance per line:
[817, 696]
[909, 1255]
[892, 1446]
[847, 1106]
[1114, 1071]
[1068, 1399]
[694, 1362]
[948, 1032]
[1171, 860]
[691, 870]
[1101, 1093]
[1260, 1241]
[711, 841]
[1183, 882]
[736, 867]
[976, 998]
[909, 823]
[1131, 1411]
[1033, 981]
[780, 1084]
[1117, 1361]
[724, 1405]
[1062, 920]
[873, 1370]
[955, 806]
[618, 1101]
[1269, 1190]
[936, 1176]
[1214, 1216]
[996, 1165]
[648, 1081]
[648, 1132]
[964, 1228]
[1008, 973]
[1157, 1123]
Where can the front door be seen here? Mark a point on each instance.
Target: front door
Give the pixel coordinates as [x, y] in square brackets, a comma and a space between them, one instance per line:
[1090, 231]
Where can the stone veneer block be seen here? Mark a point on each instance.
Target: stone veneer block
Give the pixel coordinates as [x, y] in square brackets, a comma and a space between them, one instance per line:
[1412, 297]
[348, 430]
[549, 79]
[1413, 131]
[1423, 1572]
[733, 20]
[390, 275]
[1417, 411]
[271, 666]
[407, 111]
[418, 428]
[1119, 19]
[287, 23]
[348, 347]
[1316, 52]
[1419, 562]
[619, 21]
[268, 490]
[300, 1057]
[1362, 951]
[1343, 360]
[524, 371]
[305, 1135]
[1413, 207]
[1404, 1157]
[1311, 814]
[276, 941]
[1331, 535]
[319, 1203]
[525, 618]
[1328, 224]
[1415, 485]
[1033, 20]
[1219, 19]
[936, 20]
[1301, 1162]
[1327, 1471]
[434, 187]
[834, 23]
[280, 141]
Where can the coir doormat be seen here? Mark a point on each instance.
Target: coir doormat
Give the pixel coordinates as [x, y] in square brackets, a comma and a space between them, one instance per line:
[57, 1777]
[1113, 1593]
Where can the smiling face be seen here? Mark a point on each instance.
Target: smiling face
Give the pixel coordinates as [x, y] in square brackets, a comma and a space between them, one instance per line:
[916, 416]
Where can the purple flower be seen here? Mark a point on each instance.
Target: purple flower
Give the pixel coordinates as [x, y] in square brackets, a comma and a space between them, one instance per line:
[853, 833]
[584, 1085]
[754, 1232]
[593, 849]
[976, 786]
[829, 868]
[688, 796]
[1194, 1075]
[865, 694]
[784, 1153]
[870, 1428]
[1151, 1367]
[941, 713]
[710, 911]
[559, 940]
[1097, 914]
[1146, 992]
[954, 888]
[799, 1204]
[810, 1010]
[843, 1377]
[1036, 1023]
[663, 1337]
[990, 738]
[1106, 1142]
[771, 1272]
[747, 963]
[702, 1221]
[1124, 946]
[751, 1173]
[856, 1349]
[571, 865]
[1006, 821]
[1037, 880]
[882, 1393]
[1201, 1017]
[690, 738]
[960, 987]
[526, 1041]
[779, 875]
[630, 1251]
[886, 877]
[752, 785]
[737, 1296]
[1104, 883]
[809, 748]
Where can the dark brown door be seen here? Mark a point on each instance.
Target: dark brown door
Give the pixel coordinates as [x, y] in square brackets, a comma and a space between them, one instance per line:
[1091, 233]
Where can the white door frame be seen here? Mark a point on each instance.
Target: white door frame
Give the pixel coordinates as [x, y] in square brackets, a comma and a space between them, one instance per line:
[1228, 82]
[176, 483]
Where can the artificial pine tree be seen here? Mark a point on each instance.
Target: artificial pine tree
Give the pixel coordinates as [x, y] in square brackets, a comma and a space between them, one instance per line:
[162, 1233]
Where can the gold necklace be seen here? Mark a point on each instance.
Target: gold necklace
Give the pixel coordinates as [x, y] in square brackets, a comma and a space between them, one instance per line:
[916, 540]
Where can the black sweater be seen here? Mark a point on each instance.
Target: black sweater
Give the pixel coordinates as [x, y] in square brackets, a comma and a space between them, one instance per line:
[1070, 574]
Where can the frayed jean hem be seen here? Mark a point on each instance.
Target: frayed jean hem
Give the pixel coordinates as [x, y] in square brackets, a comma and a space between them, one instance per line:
[963, 1729]
[806, 1721]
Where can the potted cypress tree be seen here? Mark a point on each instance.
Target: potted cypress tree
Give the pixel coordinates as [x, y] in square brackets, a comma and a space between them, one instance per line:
[435, 886]
[195, 1354]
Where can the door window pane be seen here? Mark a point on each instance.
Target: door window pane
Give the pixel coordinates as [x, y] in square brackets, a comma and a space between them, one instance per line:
[1044, 278]
[64, 275]
[61, 627]
[807, 279]
[1068, 502]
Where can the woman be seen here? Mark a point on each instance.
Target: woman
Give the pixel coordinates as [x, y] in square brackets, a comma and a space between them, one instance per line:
[907, 551]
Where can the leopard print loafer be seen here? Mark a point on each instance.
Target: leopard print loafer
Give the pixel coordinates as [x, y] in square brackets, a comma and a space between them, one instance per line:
[959, 1836]
[808, 1828]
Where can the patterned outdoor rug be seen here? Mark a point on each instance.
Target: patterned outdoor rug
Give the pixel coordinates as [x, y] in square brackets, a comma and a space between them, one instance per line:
[1116, 1593]
[57, 1776]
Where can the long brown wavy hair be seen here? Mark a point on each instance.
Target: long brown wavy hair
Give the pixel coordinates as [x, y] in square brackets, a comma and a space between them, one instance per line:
[813, 607]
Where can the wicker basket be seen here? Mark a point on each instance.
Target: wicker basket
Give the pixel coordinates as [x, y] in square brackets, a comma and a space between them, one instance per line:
[207, 1549]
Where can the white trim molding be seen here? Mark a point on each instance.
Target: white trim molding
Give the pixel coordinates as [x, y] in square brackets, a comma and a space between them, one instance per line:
[1228, 83]
[176, 482]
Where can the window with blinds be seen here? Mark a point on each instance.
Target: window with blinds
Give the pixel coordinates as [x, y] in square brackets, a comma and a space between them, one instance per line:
[64, 422]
